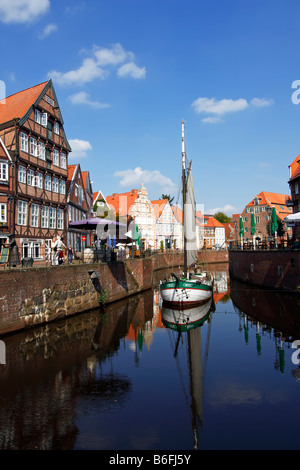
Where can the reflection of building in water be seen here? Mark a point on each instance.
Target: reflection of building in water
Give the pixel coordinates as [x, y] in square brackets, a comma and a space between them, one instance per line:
[267, 313]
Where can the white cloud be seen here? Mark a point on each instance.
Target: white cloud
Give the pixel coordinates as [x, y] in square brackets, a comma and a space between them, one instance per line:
[79, 148]
[22, 11]
[227, 209]
[84, 98]
[212, 106]
[211, 120]
[114, 56]
[218, 108]
[98, 65]
[50, 28]
[131, 70]
[261, 102]
[133, 178]
[88, 72]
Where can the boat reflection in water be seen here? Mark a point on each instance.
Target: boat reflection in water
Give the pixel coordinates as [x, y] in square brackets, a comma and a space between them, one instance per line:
[270, 312]
[187, 323]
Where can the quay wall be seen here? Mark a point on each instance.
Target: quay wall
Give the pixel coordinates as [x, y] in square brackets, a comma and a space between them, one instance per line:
[271, 269]
[37, 295]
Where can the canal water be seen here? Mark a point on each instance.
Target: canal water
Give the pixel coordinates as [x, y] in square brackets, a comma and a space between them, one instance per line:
[124, 378]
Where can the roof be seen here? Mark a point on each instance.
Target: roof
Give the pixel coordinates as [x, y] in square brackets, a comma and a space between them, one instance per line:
[295, 168]
[17, 105]
[122, 203]
[213, 222]
[273, 199]
[178, 214]
[159, 205]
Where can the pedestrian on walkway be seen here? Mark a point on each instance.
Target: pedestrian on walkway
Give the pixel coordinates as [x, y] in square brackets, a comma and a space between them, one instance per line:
[70, 254]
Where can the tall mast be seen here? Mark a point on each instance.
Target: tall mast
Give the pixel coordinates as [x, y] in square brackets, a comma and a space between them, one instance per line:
[183, 156]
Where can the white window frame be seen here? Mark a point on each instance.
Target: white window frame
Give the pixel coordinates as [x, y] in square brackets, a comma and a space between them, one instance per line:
[3, 212]
[30, 177]
[3, 171]
[33, 146]
[37, 116]
[42, 151]
[45, 217]
[60, 219]
[35, 211]
[55, 188]
[62, 187]
[52, 218]
[22, 174]
[55, 157]
[22, 212]
[63, 160]
[24, 142]
[48, 183]
[44, 119]
[56, 128]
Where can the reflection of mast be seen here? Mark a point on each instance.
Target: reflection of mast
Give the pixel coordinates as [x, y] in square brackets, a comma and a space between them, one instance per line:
[196, 386]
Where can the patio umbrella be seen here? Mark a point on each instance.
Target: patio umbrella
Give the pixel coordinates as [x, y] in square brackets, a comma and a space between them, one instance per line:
[241, 230]
[253, 228]
[274, 221]
[93, 222]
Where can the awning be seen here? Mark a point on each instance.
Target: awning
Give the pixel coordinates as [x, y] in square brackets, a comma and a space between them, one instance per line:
[292, 217]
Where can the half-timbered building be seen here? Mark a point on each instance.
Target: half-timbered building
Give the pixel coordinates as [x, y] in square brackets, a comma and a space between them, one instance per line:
[32, 130]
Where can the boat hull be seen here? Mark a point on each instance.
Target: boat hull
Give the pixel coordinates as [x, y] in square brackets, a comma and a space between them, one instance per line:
[184, 293]
[187, 319]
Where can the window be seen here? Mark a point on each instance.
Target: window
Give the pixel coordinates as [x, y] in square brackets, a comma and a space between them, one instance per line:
[22, 174]
[48, 182]
[37, 116]
[31, 249]
[52, 217]
[296, 187]
[41, 150]
[45, 217]
[56, 128]
[30, 176]
[39, 181]
[60, 219]
[3, 172]
[22, 212]
[34, 222]
[55, 157]
[62, 187]
[44, 119]
[55, 185]
[24, 142]
[63, 160]
[257, 219]
[33, 146]
[3, 213]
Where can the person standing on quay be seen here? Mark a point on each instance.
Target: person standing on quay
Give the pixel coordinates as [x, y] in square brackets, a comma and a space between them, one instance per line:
[57, 246]
[70, 254]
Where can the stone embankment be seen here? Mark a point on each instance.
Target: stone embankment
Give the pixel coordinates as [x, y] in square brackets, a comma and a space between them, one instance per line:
[34, 296]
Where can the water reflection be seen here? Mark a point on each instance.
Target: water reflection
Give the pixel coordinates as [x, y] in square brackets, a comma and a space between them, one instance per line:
[187, 325]
[271, 313]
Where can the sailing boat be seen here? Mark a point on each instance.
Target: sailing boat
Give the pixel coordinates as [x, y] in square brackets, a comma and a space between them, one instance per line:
[190, 289]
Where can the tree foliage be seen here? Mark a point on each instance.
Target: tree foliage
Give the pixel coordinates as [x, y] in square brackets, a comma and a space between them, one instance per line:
[222, 218]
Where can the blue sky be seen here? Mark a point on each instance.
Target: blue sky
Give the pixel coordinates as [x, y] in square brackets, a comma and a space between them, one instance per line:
[126, 72]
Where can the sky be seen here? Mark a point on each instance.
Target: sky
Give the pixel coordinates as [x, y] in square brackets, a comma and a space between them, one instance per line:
[127, 72]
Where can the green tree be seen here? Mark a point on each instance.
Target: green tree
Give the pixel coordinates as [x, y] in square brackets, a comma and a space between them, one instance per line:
[222, 218]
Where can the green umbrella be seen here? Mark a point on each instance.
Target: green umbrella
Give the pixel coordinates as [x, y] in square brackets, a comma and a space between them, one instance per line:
[137, 236]
[241, 227]
[274, 221]
[252, 224]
